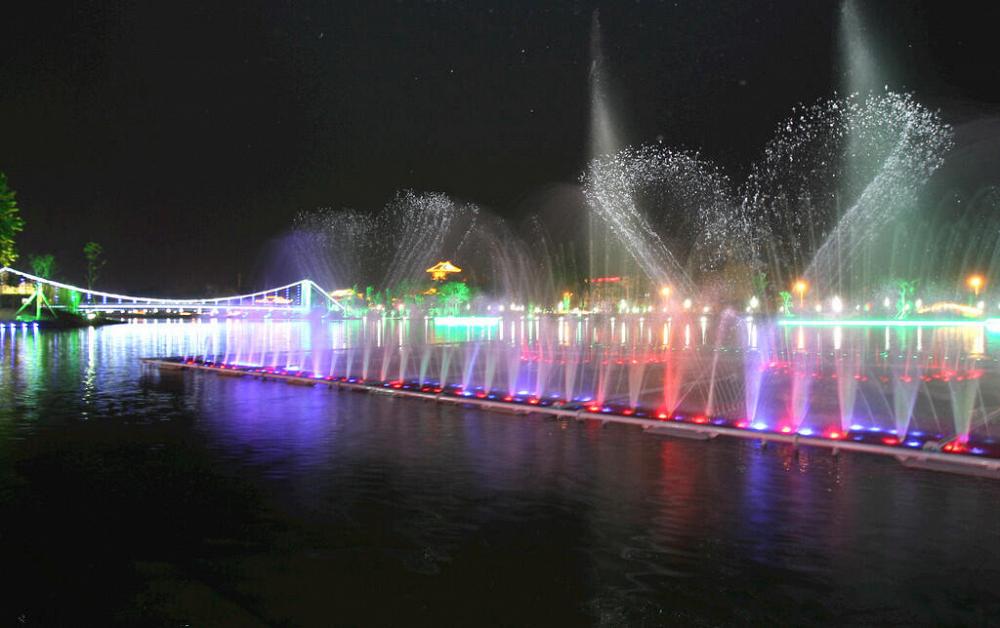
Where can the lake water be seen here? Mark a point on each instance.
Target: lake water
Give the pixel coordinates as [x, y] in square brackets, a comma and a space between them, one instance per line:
[130, 496]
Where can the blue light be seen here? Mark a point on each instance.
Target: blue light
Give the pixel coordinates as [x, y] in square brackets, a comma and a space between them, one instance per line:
[913, 443]
[805, 431]
[874, 428]
[978, 451]
[857, 427]
[759, 425]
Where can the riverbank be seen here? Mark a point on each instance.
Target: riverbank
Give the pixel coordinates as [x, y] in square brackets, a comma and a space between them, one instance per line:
[62, 320]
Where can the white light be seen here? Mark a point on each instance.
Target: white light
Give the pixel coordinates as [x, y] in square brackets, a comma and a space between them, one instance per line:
[687, 304]
[754, 302]
[837, 305]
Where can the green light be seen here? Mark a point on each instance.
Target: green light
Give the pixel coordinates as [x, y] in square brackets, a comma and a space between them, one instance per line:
[885, 323]
[467, 321]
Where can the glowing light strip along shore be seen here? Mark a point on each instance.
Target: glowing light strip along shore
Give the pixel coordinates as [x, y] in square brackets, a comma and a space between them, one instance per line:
[789, 322]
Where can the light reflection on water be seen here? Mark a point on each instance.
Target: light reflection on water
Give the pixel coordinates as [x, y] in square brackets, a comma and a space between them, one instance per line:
[428, 503]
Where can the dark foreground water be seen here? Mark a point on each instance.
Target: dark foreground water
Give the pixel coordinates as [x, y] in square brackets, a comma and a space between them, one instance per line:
[138, 498]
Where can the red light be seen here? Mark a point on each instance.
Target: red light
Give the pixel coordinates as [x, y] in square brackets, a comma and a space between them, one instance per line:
[700, 419]
[662, 415]
[508, 398]
[533, 401]
[955, 447]
[890, 440]
[628, 411]
[786, 429]
[834, 435]
[593, 408]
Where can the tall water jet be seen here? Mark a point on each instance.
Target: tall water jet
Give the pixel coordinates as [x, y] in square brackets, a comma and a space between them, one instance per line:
[863, 69]
[905, 386]
[756, 351]
[603, 256]
[848, 370]
[963, 392]
[603, 134]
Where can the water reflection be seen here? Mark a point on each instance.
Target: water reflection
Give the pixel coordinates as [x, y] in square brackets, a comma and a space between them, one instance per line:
[423, 498]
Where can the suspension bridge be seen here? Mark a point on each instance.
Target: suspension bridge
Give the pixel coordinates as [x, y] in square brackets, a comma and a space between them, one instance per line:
[40, 296]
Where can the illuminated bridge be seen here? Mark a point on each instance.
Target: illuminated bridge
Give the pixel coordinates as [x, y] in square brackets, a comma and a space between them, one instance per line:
[294, 299]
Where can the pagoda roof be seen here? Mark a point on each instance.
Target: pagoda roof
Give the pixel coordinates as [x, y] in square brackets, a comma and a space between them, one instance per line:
[444, 267]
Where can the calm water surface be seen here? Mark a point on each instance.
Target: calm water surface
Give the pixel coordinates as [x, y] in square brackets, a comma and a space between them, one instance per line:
[130, 497]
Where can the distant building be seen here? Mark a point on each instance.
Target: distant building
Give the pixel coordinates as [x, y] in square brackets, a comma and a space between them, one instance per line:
[441, 270]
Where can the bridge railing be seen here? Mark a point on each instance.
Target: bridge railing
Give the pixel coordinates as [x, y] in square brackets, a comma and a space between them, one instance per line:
[297, 296]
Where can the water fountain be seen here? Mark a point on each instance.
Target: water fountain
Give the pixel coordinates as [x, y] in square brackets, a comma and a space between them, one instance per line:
[701, 346]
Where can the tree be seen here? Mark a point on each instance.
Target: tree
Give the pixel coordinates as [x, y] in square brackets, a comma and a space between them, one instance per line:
[10, 222]
[759, 283]
[94, 253]
[43, 266]
[453, 294]
[904, 304]
[786, 302]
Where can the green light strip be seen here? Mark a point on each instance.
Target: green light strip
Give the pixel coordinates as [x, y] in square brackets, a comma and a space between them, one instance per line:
[886, 323]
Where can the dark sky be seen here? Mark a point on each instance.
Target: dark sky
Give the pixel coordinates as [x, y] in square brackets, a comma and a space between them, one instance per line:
[183, 137]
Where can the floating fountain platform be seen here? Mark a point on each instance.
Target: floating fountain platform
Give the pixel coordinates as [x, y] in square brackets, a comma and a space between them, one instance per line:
[933, 452]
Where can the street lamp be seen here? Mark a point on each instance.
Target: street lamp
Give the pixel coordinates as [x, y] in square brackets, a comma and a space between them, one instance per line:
[975, 282]
[801, 286]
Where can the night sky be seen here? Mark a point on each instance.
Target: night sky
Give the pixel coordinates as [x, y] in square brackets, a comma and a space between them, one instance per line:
[184, 137]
